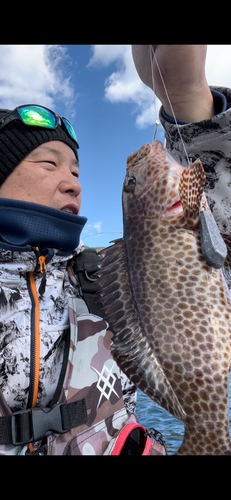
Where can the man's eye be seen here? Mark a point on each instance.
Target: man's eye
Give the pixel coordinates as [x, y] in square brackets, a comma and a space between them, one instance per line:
[47, 162]
[76, 174]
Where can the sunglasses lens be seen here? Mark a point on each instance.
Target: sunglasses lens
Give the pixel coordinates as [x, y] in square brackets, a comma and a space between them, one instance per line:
[36, 115]
[39, 116]
[70, 129]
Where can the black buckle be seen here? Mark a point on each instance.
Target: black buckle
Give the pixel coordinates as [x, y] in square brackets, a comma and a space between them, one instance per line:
[153, 433]
[35, 423]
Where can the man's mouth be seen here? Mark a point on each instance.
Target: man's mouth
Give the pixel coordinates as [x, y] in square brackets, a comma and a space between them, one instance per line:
[71, 208]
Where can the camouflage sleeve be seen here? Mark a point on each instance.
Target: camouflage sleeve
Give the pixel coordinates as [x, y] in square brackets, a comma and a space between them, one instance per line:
[129, 393]
[209, 140]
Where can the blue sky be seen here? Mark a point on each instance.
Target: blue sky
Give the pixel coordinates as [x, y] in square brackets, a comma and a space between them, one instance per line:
[96, 87]
[107, 134]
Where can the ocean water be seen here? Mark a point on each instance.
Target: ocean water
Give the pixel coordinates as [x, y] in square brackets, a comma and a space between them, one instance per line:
[151, 414]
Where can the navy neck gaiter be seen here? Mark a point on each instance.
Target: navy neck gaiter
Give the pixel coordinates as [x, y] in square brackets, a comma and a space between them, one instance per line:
[24, 223]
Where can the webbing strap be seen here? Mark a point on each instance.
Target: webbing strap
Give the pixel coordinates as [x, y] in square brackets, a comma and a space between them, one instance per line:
[85, 265]
[5, 430]
[35, 423]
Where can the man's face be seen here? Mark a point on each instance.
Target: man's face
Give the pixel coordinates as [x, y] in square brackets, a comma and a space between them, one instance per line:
[48, 176]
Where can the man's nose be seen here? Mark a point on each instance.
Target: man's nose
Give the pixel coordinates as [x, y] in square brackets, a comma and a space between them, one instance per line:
[70, 184]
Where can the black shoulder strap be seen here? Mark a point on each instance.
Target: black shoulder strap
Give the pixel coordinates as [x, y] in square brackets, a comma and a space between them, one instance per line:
[84, 266]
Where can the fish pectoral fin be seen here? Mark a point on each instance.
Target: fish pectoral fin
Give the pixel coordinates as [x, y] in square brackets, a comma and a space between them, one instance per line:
[136, 359]
[191, 188]
[130, 348]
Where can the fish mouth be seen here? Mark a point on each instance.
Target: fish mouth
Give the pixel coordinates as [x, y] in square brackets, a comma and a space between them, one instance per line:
[175, 206]
[175, 210]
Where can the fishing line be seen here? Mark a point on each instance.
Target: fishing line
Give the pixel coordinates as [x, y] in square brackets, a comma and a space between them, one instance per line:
[151, 51]
[106, 232]
[153, 88]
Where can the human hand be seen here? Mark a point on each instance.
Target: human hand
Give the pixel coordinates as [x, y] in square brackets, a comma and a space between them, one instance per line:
[183, 71]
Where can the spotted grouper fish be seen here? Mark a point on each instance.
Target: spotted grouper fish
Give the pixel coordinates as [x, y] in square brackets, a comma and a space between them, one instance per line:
[169, 310]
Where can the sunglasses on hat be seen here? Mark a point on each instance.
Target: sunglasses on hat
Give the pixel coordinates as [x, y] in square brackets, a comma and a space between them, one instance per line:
[38, 116]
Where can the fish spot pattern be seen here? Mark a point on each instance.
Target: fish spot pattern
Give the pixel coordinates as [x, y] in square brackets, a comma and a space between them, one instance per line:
[171, 315]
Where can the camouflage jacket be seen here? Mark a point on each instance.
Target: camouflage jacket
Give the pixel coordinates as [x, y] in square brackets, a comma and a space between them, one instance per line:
[209, 140]
[90, 373]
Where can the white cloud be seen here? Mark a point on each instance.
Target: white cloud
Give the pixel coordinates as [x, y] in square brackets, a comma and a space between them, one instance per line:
[218, 67]
[98, 226]
[34, 74]
[89, 228]
[95, 230]
[103, 55]
[124, 85]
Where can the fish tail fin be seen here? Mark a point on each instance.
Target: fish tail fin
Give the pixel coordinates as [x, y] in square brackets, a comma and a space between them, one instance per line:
[191, 188]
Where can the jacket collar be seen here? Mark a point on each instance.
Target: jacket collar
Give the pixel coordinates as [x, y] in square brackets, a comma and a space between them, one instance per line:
[26, 257]
[26, 225]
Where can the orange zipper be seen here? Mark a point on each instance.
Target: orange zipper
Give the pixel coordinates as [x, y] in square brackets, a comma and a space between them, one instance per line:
[41, 260]
[35, 341]
[35, 333]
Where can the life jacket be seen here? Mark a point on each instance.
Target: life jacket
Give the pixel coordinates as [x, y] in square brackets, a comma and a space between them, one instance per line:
[87, 415]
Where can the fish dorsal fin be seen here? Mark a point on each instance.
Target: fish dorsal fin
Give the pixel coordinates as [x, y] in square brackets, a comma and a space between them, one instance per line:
[191, 188]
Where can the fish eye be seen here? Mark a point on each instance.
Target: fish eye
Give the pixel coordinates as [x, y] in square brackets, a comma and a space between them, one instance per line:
[130, 184]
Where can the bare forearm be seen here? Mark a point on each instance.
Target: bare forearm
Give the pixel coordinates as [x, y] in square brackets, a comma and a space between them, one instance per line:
[195, 107]
[183, 70]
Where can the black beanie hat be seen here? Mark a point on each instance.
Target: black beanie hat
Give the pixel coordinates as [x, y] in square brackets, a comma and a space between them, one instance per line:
[18, 140]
